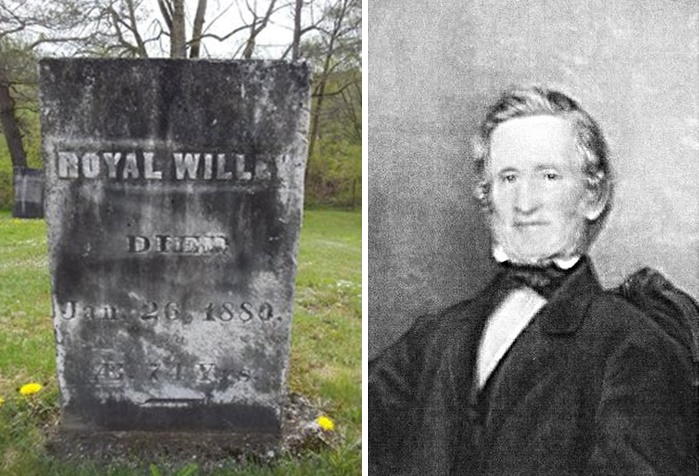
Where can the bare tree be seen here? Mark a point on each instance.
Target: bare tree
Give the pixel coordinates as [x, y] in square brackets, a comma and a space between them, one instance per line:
[304, 11]
[178, 42]
[174, 18]
[340, 37]
[251, 22]
[296, 41]
[9, 120]
[24, 27]
[197, 30]
[256, 26]
[124, 21]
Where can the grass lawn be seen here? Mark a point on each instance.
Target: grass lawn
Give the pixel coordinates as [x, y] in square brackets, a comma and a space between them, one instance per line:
[325, 354]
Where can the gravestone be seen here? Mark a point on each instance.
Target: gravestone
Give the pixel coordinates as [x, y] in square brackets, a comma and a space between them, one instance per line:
[29, 193]
[174, 201]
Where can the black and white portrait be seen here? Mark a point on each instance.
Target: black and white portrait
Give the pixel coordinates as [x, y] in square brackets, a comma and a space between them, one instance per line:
[533, 237]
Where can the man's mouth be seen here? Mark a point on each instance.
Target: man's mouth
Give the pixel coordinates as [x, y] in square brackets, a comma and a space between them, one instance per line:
[530, 224]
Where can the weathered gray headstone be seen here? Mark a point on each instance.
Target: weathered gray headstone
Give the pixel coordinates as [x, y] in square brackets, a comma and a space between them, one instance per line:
[174, 201]
[29, 193]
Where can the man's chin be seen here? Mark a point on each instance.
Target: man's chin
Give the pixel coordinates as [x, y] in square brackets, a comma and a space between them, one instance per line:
[540, 252]
[540, 258]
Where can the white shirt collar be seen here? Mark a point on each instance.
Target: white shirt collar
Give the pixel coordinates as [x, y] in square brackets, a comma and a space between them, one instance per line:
[563, 263]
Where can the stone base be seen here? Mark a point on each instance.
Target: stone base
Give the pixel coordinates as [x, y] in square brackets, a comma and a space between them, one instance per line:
[162, 448]
[209, 450]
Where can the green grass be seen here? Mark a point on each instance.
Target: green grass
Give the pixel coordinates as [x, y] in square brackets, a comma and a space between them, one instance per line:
[325, 357]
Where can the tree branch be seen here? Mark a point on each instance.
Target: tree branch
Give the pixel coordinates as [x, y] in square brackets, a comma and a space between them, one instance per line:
[166, 12]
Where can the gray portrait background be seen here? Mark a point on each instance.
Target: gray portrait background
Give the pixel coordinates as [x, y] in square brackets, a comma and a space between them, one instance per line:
[434, 67]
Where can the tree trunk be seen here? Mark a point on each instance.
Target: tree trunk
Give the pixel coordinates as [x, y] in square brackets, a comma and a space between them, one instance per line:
[296, 42]
[197, 28]
[354, 193]
[315, 120]
[178, 43]
[250, 43]
[10, 127]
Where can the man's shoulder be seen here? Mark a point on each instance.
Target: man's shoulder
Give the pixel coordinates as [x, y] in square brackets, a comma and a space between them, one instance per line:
[608, 303]
[448, 320]
[433, 331]
[444, 318]
[604, 311]
[615, 317]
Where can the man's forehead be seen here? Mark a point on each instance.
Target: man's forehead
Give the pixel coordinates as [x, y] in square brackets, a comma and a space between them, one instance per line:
[543, 134]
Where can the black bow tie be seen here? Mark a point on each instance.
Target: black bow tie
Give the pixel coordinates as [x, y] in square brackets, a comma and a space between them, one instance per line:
[544, 280]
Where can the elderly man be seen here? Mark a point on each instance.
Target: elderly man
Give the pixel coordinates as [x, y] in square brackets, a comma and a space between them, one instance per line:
[542, 373]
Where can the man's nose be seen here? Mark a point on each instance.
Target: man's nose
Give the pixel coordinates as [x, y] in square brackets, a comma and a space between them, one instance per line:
[528, 199]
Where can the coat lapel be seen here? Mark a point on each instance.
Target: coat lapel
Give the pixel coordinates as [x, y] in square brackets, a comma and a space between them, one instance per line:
[446, 400]
[540, 351]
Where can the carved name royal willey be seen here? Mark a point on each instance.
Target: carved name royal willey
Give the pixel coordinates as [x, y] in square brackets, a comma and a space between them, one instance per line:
[151, 165]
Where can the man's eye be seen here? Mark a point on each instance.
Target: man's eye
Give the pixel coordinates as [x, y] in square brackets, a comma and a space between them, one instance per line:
[509, 178]
[552, 176]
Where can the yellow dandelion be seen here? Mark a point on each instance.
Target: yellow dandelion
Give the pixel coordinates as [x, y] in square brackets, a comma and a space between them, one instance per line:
[30, 388]
[2, 400]
[325, 423]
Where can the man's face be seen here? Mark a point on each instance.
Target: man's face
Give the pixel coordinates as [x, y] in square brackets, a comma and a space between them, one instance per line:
[538, 195]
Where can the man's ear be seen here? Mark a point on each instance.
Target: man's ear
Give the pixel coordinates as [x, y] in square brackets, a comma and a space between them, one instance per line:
[594, 202]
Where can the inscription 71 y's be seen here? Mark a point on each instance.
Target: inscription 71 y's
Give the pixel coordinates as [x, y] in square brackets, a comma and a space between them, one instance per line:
[113, 373]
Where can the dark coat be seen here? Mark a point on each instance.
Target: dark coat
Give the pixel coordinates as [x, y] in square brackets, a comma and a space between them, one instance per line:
[592, 386]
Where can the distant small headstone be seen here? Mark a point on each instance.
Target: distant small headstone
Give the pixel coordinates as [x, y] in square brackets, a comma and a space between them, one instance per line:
[174, 202]
[29, 193]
